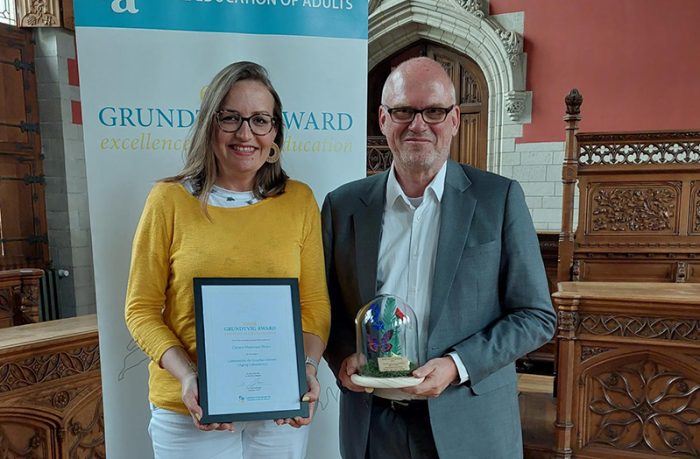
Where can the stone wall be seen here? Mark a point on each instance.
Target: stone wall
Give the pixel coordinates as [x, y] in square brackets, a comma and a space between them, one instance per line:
[64, 167]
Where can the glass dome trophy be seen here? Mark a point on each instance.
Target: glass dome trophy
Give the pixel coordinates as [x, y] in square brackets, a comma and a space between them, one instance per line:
[387, 343]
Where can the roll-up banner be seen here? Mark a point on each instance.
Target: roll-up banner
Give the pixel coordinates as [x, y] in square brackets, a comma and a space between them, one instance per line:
[144, 65]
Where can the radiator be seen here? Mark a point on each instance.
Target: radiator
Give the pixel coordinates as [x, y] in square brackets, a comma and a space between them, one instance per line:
[48, 304]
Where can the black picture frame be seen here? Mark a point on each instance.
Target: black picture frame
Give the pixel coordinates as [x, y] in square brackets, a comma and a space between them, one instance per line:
[206, 378]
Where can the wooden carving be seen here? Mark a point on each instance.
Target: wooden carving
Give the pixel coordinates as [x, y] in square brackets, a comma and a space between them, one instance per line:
[6, 306]
[379, 155]
[21, 440]
[29, 294]
[639, 200]
[50, 392]
[471, 93]
[573, 102]
[695, 207]
[680, 272]
[641, 153]
[638, 208]
[567, 320]
[645, 406]
[86, 438]
[591, 351]
[28, 307]
[640, 327]
[19, 296]
[446, 64]
[643, 245]
[63, 399]
[688, 137]
[576, 270]
[47, 367]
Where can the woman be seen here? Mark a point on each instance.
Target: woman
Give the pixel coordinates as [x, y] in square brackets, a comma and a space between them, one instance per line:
[231, 212]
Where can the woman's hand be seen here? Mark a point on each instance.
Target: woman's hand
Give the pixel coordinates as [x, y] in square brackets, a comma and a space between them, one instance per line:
[190, 397]
[178, 363]
[313, 348]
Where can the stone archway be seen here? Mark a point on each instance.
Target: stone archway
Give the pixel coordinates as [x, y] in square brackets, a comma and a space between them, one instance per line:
[463, 26]
[470, 146]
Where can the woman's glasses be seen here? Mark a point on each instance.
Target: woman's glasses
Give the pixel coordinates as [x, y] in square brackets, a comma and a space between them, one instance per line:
[259, 124]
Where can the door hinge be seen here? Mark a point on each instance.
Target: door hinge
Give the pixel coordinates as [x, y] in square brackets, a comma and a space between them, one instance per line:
[33, 239]
[38, 239]
[32, 179]
[21, 65]
[29, 127]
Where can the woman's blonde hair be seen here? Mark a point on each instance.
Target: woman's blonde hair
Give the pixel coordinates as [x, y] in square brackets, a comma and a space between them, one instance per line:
[200, 163]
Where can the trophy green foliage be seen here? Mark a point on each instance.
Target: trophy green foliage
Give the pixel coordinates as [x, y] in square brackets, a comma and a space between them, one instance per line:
[372, 369]
[389, 318]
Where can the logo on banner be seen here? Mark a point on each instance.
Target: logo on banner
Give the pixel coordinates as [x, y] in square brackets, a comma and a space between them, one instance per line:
[122, 6]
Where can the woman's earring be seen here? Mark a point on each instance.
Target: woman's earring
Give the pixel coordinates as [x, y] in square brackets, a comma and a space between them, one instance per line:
[274, 154]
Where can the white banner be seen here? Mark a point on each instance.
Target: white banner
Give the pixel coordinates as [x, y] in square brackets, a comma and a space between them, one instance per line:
[143, 65]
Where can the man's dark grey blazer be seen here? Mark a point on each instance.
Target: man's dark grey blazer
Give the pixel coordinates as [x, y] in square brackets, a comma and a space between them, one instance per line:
[490, 303]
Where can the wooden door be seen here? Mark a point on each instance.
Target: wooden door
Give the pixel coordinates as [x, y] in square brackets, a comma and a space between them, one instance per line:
[469, 147]
[472, 96]
[23, 239]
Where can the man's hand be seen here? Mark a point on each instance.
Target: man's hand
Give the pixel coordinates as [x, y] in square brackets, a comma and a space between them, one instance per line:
[438, 374]
[349, 367]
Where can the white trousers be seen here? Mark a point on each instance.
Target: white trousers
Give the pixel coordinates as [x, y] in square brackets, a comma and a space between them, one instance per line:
[174, 436]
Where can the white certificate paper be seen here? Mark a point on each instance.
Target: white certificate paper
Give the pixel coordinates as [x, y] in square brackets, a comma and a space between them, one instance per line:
[251, 355]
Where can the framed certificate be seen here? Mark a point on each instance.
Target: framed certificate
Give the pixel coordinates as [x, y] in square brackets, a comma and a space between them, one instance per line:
[250, 351]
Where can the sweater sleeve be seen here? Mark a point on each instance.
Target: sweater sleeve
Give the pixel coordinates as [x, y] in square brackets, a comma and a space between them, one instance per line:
[315, 307]
[148, 276]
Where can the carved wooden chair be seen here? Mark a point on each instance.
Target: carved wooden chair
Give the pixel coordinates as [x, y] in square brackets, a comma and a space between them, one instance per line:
[628, 380]
[639, 204]
[19, 296]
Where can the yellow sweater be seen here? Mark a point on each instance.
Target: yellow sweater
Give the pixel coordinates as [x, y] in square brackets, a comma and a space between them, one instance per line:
[174, 242]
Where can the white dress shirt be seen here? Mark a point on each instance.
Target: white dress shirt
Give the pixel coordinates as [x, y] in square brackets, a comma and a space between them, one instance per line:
[410, 228]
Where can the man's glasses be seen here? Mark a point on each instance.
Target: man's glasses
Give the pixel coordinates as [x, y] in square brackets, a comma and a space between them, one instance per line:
[229, 121]
[431, 115]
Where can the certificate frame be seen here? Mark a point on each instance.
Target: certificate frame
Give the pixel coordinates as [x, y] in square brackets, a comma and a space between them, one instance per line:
[235, 315]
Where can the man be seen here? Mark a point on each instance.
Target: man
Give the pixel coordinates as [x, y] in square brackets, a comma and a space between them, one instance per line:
[459, 246]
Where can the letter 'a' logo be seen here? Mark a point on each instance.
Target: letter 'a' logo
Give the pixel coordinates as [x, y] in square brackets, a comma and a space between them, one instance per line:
[122, 6]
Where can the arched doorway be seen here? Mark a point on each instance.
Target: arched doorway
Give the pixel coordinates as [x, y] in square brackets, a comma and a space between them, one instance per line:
[470, 145]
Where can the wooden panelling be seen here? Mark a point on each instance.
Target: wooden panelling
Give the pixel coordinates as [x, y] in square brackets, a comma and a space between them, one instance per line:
[603, 270]
[469, 141]
[23, 234]
[11, 97]
[629, 382]
[50, 391]
[469, 147]
[22, 242]
[18, 101]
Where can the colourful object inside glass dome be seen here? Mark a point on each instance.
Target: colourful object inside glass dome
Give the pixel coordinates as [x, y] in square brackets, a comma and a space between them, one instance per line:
[387, 338]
